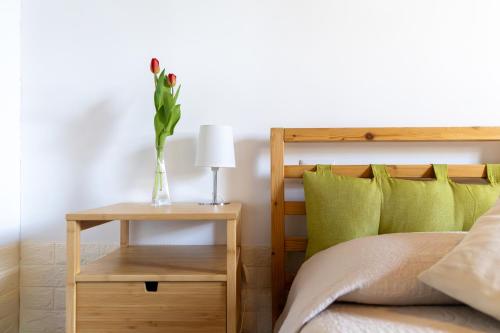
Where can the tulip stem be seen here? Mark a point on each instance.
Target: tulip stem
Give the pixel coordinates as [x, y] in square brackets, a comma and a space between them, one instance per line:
[160, 169]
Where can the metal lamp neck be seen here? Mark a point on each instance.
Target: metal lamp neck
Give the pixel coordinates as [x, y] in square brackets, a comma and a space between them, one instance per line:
[215, 197]
[214, 190]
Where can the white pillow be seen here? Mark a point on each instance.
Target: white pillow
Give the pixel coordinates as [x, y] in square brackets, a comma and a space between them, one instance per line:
[471, 271]
[403, 256]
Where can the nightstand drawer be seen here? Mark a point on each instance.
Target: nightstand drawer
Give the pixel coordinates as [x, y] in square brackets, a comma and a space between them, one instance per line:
[109, 307]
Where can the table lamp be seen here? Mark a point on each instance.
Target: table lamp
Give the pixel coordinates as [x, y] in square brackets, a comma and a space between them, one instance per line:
[215, 150]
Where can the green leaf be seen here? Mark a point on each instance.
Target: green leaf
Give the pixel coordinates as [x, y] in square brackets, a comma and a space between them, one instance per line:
[175, 115]
[165, 115]
[162, 116]
[168, 102]
[159, 129]
[168, 112]
[160, 91]
[177, 94]
[168, 99]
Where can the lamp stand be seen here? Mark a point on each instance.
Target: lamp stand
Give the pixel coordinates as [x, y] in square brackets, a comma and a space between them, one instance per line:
[215, 200]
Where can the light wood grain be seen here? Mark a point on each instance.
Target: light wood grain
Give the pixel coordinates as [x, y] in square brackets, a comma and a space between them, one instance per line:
[238, 274]
[392, 134]
[175, 307]
[295, 208]
[295, 244]
[124, 233]
[147, 212]
[72, 268]
[159, 263]
[239, 309]
[277, 220]
[232, 268]
[396, 171]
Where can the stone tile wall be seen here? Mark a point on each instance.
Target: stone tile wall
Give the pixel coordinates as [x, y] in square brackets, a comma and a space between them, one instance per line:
[9, 288]
[43, 277]
[256, 289]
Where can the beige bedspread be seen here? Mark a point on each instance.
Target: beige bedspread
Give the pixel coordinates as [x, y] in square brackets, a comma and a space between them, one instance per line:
[385, 268]
[346, 318]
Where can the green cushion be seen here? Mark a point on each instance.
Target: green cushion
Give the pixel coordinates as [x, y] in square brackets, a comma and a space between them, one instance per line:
[339, 208]
[473, 200]
[416, 205]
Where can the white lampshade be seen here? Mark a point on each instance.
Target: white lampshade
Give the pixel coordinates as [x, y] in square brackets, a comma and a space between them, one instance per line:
[215, 147]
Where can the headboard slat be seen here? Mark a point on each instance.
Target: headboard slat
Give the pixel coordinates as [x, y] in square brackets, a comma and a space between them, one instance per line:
[295, 244]
[397, 171]
[393, 134]
[295, 208]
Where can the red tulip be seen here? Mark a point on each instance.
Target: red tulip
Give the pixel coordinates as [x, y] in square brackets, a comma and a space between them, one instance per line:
[155, 66]
[171, 79]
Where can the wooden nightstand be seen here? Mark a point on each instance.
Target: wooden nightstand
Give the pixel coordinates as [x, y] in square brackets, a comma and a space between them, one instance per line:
[154, 288]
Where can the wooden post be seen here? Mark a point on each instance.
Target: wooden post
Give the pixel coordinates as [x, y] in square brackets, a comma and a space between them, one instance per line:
[232, 268]
[124, 233]
[277, 220]
[73, 268]
[238, 274]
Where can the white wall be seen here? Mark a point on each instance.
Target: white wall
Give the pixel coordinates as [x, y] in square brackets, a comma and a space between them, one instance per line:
[87, 93]
[10, 98]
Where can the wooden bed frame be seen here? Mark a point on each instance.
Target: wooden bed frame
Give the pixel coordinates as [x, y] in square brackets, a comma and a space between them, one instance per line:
[281, 244]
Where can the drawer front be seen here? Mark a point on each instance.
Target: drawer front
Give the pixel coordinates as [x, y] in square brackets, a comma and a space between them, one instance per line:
[109, 307]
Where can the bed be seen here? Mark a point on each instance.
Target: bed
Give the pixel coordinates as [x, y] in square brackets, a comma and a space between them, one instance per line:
[345, 317]
[350, 317]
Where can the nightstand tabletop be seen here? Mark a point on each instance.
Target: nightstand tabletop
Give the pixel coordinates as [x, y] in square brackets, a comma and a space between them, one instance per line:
[145, 211]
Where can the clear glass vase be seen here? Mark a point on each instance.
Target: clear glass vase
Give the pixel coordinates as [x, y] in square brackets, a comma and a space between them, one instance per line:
[161, 195]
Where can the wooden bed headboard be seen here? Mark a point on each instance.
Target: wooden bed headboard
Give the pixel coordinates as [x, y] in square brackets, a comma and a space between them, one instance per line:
[281, 244]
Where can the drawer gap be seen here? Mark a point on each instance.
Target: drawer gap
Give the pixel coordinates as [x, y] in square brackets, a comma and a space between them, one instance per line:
[151, 286]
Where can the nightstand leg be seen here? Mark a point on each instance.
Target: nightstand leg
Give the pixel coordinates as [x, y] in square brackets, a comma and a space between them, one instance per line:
[73, 267]
[232, 266]
[124, 233]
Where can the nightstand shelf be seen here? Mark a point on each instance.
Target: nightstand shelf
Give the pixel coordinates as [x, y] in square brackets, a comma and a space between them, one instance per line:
[154, 288]
[159, 263]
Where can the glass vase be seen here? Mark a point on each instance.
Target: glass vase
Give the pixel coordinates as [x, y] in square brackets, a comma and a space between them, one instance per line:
[161, 195]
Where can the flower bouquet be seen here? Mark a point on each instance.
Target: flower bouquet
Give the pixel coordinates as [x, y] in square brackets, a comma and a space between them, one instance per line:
[167, 115]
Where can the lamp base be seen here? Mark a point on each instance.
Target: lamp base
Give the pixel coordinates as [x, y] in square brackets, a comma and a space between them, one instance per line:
[213, 203]
[215, 198]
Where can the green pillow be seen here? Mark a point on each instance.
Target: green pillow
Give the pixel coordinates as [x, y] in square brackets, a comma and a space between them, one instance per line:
[339, 208]
[473, 200]
[416, 205]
